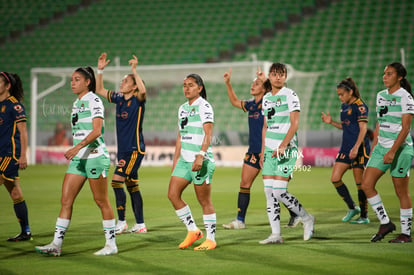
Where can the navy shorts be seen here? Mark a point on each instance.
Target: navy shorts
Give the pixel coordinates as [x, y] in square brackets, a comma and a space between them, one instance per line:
[128, 165]
[252, 159]
[9, 169]
[360, 161]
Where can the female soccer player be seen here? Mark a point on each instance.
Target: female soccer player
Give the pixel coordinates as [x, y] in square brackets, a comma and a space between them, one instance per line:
[130, 109]
[392, 149]
[251, 166]
[354, 151]
[193, 162]
[279, 152]
[89, 159]
[13, 146]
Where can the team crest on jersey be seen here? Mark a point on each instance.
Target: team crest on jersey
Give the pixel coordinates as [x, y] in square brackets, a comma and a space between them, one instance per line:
[3, 109]
[129, 103]
[349, 112]
[278, 102]
[121, 163]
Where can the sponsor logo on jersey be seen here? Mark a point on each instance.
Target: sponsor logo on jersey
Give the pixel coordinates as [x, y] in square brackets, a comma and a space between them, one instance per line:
[18, 108]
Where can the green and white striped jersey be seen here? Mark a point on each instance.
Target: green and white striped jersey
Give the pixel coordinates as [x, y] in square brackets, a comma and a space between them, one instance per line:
[276, 110]
[190, 122]
[390, 108]
[84, 110]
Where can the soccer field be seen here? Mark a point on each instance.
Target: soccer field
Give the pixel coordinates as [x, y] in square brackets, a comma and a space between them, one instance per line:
[336, 248]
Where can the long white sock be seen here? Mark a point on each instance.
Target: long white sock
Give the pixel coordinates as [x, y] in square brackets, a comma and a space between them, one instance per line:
[62, 226]
[406, 219]
[379, 209]
[289, 200]
[185, 216]
[272, 206]
[210, 226]
[109, 230]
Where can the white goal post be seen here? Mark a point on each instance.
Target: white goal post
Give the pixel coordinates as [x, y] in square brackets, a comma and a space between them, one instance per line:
[46, 81]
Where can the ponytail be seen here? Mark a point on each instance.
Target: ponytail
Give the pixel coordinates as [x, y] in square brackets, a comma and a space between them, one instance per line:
[16, 86]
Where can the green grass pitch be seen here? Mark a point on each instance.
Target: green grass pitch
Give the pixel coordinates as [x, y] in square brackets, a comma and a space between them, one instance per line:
[336, 248]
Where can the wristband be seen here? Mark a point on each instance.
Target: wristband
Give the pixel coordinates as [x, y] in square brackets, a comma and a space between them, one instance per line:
[203, 153]
[99, 71]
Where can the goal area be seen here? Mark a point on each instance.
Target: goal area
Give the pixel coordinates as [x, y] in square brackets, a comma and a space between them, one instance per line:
[52, 98]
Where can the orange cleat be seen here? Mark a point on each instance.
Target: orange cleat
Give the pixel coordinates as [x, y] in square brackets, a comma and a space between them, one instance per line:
[206, 245]
[192, 236]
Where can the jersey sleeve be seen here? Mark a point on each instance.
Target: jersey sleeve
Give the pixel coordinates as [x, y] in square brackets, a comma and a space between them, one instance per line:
[19, 114]
[113, 97]
[97, 108]
[362, 113]
[407, 104]
[293, 102]
[246, 104]
[206, 113]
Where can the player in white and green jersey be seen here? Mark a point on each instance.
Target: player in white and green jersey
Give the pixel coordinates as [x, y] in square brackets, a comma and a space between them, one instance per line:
[281, 109]
[193, 162]
[89, 160]
[393, 149]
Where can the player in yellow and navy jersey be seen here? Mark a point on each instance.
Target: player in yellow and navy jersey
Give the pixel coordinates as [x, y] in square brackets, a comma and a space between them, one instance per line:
[13, 146]
[130, 109]
[355, 148]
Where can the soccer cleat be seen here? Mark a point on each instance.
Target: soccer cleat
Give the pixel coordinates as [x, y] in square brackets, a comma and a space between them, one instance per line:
[107, 250]
[351, 213]
[21, 237]
[272, 239]
[294, 221]
[360, 220]
[402, 238]
[138, 228]
[383, 231]
[308, 227]
[191, 237]
[49, 249]
[236, 224]
[206, 245]
[121, 226]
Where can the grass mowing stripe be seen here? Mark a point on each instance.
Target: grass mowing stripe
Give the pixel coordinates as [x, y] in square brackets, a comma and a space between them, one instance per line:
[336, 248]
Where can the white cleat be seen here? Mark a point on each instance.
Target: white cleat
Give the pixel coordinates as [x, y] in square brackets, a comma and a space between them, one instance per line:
[49, 249]
[236, 224]
[107, 250]
[272, 239]
[308, 227]
[138, 228]
[120, 227]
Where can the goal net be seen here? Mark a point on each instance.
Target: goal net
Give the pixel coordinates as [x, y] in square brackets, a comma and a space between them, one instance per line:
[52, 98]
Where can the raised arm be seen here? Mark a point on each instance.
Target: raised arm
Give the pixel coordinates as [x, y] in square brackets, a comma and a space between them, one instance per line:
[142, 91]
[230, 92]
[102, 62]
